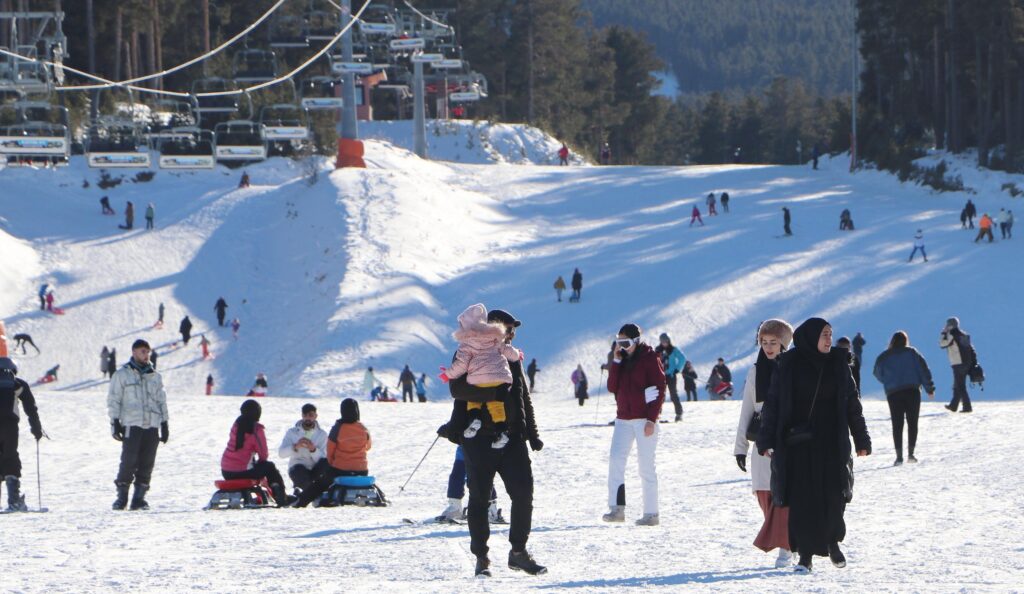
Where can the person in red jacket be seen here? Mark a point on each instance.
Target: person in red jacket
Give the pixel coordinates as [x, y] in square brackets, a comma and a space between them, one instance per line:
[637, 378]
[249, 439]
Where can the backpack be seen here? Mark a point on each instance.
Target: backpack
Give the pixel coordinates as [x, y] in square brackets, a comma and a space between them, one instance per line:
[974, 370]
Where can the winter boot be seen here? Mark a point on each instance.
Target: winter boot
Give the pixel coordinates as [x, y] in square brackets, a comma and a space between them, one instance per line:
[648, 520]
[785, 559]
[139, 502]
[679, 417]
[494, 515]
[836, 555]
[912, 459]
[280, 497]
[523, 561]
[471, 430]
[122, 496]
[804, 566]
[483, 567]
[453, 512]
[15, 500]
[616, 513]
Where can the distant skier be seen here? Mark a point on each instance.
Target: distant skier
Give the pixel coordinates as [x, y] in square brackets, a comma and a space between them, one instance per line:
[531, 372]
[563, 155]
[150, 215]
[370, 382]
[580, 384]
[858, 345]
[918, 245]
[710, 200]
[695, 216]
[13, 389]
[105, 205]
[985, 229]
[129, 216]
[104, 361]
[235, 325]
[20, 340]
[244, 182]
[112, 363]
[221, 307]
[606, 154]
[407, 381]
[43, 290]
[204, 344]
[815, 153]
[725, 201]
[209, 384]
[421, 387]
[963, 218]
[971, 211]
[185, 328]
[160, 316]
[690, 381]
[559, 287]
[786, 220]
[577, 285]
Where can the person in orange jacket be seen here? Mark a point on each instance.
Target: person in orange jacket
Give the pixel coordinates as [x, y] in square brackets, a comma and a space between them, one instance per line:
[347, 444]
[985, 228]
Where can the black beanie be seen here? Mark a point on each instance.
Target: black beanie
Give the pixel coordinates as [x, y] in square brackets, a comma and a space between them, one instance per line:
[138, 344]
[630, 331]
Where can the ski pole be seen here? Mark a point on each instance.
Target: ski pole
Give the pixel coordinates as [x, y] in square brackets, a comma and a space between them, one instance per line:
[402, 488]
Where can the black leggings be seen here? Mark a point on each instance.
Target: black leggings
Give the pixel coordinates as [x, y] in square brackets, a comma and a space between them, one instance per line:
[905, 403]
[260, 470]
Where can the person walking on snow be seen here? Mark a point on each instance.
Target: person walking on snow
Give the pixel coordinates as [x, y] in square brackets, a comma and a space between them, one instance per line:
[20, 340]
[370, 382]
[12, 390]
[637, 379]
[1009, 224]
[185, 328]
[244, 181]
[153, 356]
[221, 307]
[918, 245]
[112, 363]
[786, 220]
[725, 202]
[902, 371]
[710, 200]
[129, 216]
[858, 345]
[235, 325]
[580, 384]
[957, 345]
[971, 211]
[690, 381]
[559, 287]
[104, 360]
[695, 216]
[421, 387]
[985, 229]
[406, 381]
[1001, 221]
[672, 360]
[43, 290]
[563, 155]
[137, 406]
[773, 336]
[209, 384]
[105, 204]
[577, 285]
[160, 316]
[531, 372]
[723, 371]
[305, 447]
[963, 218]
[205, 345]
[150, 214]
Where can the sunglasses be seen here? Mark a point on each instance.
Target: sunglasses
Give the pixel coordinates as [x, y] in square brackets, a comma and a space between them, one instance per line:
[626, 342]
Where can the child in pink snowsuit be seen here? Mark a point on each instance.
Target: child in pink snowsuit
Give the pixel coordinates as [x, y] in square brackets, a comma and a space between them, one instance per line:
[483, 357]
[695, 216]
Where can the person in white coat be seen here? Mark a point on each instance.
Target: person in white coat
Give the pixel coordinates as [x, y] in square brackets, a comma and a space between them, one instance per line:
[305, 447]
[370, 382]
[773, 337]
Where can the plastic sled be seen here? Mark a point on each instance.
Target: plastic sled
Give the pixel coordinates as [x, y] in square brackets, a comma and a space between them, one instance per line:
[361, 491]
[241, 494]
[46, 379]
[57, 311]
[721, 391]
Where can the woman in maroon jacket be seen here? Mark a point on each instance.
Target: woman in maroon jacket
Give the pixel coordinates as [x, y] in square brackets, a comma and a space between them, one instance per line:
[637, 379]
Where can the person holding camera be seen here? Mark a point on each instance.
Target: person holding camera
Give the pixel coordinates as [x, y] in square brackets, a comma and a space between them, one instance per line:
[957, 345]
[637, 378]
[807, 418]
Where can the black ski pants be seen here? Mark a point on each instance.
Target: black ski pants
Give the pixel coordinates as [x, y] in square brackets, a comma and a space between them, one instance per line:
[904, 404]
[138, 455]
[407, 393]
[960, 388]
[10, 463]
[673, 391]
[691, 393]
[323, 481]
[303, 477]
[220, 317]
[512, 463]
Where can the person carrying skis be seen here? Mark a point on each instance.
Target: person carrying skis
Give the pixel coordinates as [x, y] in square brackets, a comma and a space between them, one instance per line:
[137, 405]
[150, 214]
[725, 201]
[580, 384]
[672, 361]
[20, 340]
[221, 307]
[918, 245]
[406, 381]
[531, 372]
[559, 287]
[637, 379]
[786, 220]
[577, 285]
[690, 381]
[347, 444]
[985, 229]
[12, 390]
[305, 447]
[957, 345]
[248, 440]
[186, 330]
[370, 382]
[710, 200]
[695, 216]
[563, 155]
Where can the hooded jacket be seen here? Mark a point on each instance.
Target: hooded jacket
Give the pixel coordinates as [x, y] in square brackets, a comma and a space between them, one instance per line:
[483, 357]
[136, 396]
[349, 440]
[629, 379]
[302, 456]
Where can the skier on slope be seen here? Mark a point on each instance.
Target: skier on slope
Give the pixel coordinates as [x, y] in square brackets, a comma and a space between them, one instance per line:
[918, 245]
[672, 361]
[221, 307]
[971, 211]
[12, 390]
[695, 216]
[786, 220]
[710, 200]
[186, 330]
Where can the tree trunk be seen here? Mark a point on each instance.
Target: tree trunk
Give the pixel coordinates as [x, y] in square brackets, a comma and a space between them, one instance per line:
[980, 106]
[938, 97]
[118, 44]
[136, 53]
[127, 50]
[206, 26]
[530, 113]
[955, 130]
[158, 38]
[151, 48]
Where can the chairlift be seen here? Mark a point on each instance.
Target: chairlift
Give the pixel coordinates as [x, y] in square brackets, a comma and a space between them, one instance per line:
[288, 31]
[321, 25]
[185, 147]
[284, 122]
[360, 68]
[378, 19]
[254, 66]
[320, 93]
[114, 141]
[447, 64]
[170, 113]
[34, 133]
[24, 77]
[218, 103]
[407, 44]
[239, 140]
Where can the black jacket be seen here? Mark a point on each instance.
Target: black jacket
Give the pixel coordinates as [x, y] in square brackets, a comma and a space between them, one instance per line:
[777, 417]
[723, 372]
[13, 389]
[522, 424]
[690, 379]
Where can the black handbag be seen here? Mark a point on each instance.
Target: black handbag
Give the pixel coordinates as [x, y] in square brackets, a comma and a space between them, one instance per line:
[804, 432]
[754, 427]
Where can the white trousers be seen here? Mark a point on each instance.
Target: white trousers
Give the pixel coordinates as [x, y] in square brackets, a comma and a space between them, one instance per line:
[626, 432]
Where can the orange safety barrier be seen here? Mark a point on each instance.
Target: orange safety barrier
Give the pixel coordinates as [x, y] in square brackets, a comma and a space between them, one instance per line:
[350, 153]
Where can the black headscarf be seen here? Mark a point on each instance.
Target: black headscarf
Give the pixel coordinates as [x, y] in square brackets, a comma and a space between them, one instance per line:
[251, 411]
[764, 369]
[805, 340]
[349, 411]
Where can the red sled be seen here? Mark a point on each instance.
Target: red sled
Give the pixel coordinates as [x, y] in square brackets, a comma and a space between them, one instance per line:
[46, 379]
[722, 390]
[158, 326]
[57, 311]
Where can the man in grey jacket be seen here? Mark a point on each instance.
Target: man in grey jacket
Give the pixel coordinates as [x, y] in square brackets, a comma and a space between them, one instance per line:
[305, 446]
[958, 347]
[137, 405]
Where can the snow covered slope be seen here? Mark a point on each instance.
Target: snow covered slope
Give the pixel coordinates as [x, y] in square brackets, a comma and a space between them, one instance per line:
[909, 528]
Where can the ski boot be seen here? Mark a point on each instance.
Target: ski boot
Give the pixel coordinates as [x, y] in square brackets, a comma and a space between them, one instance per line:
[15, 500]
[494, 515]
[122, 496]
[139, 502]
[453, 512]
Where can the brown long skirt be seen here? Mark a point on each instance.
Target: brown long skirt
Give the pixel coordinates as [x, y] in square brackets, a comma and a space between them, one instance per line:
[775, 531]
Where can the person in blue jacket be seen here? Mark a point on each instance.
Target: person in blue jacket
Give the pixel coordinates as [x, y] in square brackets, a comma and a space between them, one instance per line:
[673, 360]
[421, 387]
[902, 371]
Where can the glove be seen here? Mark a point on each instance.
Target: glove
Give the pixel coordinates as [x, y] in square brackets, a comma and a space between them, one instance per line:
[165, 432]
[37, 432]
[117, 430]
[443, 376]
[741, 461]
[651, 394]
[443, 431]
[536, 444]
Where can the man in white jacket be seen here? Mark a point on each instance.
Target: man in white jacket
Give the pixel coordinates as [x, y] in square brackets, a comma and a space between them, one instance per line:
[305, 446]
[137, 405]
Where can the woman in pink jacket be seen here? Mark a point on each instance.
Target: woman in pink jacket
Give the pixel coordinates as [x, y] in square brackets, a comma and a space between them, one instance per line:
[249, 439]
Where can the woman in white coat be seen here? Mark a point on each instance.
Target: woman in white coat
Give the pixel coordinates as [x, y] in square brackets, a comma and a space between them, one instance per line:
[773, 337]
